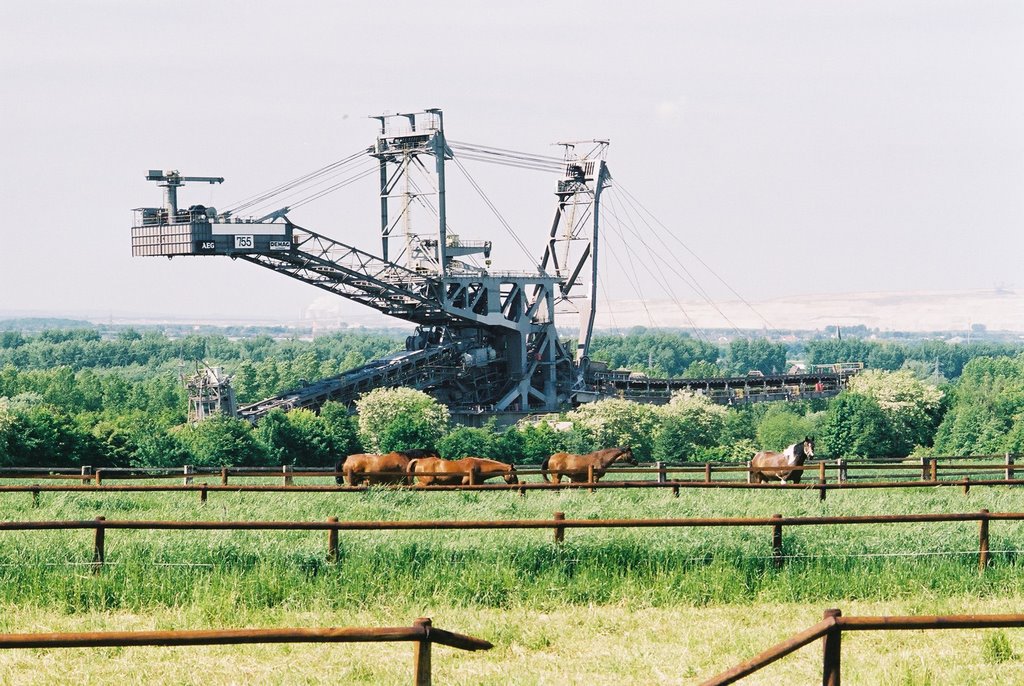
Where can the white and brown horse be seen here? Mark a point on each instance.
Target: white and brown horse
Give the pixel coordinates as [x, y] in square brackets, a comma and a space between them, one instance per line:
[767, 465]
[468, 470]
[577, 467]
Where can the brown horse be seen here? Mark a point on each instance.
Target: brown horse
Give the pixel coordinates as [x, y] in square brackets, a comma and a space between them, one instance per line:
[576, 467]
[356, 466]
[793, 456]
[457, 472]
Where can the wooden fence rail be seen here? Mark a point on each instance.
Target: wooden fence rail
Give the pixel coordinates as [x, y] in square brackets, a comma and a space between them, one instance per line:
[924, 469]
[831, 629]
[820, 486]
[422, 633]
[558, 524]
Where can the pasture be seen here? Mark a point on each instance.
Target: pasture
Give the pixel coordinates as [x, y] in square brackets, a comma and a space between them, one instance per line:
[650, 605]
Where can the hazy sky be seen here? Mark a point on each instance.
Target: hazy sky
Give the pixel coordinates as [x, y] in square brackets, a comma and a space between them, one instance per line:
[803, 146]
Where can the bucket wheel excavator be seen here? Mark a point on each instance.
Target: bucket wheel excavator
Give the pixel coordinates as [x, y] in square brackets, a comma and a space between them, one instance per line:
[485, 341]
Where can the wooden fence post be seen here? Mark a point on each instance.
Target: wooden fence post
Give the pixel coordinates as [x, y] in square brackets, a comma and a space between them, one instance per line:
[224, 476]
[35, 497]
[559, 530]
[1009, 466]
[332, 541]
[983, 559]
[287, 471]
[924, 469]
[202, 494]
[421, 654]
[831, 667]
[822, 492]
[707, 472]
[472, 474]
[590, 476]
[188, 470]
[750, 474]
[98, 554]
[777, 542]
[661, 471]
[934, 467]
[98, 477]
[675, 490]
[967, 485]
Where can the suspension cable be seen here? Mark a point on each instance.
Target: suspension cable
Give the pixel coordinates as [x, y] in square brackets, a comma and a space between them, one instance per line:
[646, 211]
[298, 181]
[490, 205]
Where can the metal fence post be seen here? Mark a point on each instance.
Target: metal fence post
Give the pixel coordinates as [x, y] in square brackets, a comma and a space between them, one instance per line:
[832, 655]
[924, 469]
[421, 655]
[750, 474]
[1009, 466]
[86, 473]
[287, 471]
[661, 471]
[188, 470]
[843, 473]
[590, 476]
[777, 542]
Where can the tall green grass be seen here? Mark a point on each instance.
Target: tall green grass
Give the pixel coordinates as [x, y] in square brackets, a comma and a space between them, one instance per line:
[225, 573]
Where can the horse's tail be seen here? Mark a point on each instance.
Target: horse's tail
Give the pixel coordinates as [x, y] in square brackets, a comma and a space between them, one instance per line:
[338, 478]
[410, 472]
[544, 468]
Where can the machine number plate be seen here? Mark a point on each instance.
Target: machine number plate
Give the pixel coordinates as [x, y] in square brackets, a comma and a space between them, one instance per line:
[243, 242]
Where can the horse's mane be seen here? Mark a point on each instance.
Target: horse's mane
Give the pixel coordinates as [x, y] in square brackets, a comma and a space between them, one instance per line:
[418, 453]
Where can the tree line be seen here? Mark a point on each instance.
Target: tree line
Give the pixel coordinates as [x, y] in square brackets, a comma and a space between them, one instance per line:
[133, 415]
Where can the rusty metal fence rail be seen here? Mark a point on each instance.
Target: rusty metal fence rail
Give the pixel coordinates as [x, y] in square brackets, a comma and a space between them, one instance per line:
[558, 524]
[831, 629]
[422, 633]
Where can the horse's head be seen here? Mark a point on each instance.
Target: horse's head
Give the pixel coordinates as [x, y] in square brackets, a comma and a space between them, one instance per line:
[626, 456]
[808, 446]
[511, 477]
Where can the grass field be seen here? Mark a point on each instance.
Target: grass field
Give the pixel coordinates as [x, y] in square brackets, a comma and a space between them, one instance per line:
[646, 605]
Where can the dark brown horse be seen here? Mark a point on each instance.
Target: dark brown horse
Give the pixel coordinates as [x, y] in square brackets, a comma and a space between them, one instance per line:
[576, 467]
[369, 469]
[428, 470]
[793, 456]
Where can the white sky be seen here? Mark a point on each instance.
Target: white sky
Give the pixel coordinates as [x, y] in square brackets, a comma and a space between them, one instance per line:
[802, 146]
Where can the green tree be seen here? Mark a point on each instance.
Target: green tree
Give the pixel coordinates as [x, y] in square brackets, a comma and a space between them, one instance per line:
[855, 426]
[464, 441]
[342, 429]
[911, 407]
[223, 441]
[781, 427]
[616, 422]
[381, 408]
[759, 354]
[984, 408]
[692, 425]
[408, 433]
[295, 437]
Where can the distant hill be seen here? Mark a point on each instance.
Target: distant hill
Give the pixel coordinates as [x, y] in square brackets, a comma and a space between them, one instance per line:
[993, 310]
